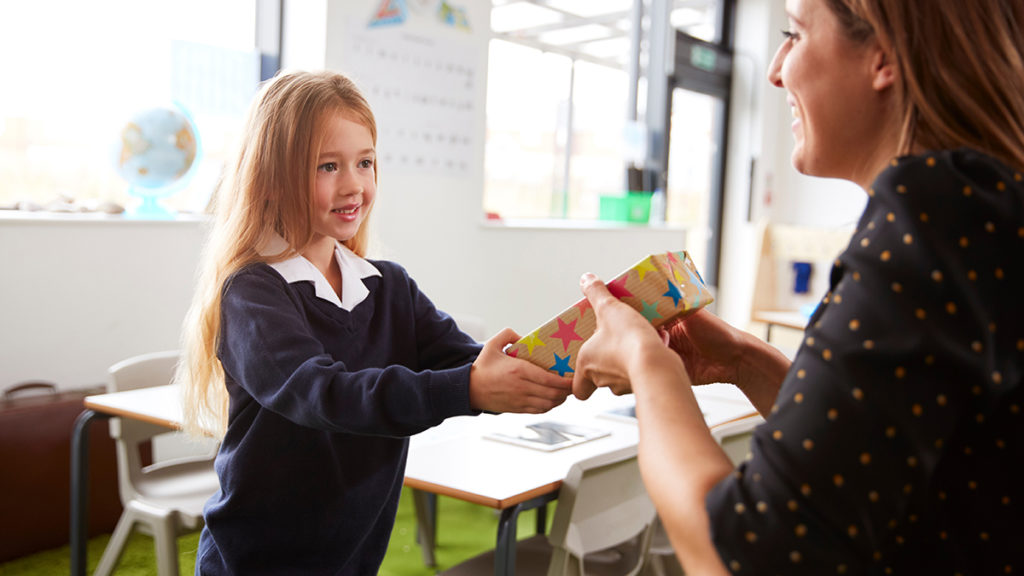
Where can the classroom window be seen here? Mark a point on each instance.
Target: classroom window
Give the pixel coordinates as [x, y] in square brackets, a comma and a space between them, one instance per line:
[77, 71]
[558, 112]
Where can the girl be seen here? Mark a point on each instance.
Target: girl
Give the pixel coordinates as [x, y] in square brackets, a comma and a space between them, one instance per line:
[893, 443]
[313, 363]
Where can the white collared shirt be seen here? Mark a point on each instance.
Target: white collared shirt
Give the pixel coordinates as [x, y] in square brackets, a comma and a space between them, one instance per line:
[353, 270]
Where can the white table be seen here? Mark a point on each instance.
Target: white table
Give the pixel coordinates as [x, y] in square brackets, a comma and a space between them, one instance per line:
[452, 459]
[456, 459]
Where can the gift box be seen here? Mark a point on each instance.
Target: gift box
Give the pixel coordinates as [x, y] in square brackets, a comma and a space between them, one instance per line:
[662, 287]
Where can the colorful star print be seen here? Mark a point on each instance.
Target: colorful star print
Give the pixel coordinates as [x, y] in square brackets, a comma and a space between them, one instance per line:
[646, 265]
[644, 287]
[698, 281]
[532, 340]
[673, 293]
[650, 311]
[566, 333]
[618, 287]
[583, 306]
[561, 365]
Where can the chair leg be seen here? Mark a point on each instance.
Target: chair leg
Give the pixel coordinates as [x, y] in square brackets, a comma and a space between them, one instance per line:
[426, 524]
[658, 565]
[165, 540]
[115, 547]
[560, 559]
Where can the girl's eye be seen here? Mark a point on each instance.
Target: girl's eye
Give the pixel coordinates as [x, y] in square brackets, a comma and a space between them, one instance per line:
[790, 35]
[328, 167]
[366, 163]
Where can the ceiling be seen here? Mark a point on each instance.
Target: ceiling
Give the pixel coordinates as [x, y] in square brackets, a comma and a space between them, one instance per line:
[592, 30]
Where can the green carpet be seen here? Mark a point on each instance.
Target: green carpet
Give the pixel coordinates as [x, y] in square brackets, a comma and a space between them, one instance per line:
[463, 531]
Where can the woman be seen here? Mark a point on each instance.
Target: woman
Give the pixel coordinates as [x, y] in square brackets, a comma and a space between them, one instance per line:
[894, 440]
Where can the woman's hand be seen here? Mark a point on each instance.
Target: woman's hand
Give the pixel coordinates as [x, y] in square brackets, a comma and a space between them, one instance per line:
[622, 335]
[501, 383]
[710, 348]
[714, 351]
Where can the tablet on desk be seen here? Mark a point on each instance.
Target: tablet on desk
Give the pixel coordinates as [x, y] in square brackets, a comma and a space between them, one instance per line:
[622, 414]
[548, 435]
[626, 414]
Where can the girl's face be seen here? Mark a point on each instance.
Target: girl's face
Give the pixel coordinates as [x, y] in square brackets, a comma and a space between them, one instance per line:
[840, 116]
[345, 186]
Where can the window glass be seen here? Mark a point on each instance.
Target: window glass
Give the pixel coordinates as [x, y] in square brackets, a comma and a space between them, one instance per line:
[527, 99]
[597, 166]
[76, 72]
[691, 154]
[547, 157]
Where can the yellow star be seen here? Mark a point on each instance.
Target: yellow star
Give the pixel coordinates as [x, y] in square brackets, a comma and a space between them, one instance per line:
[644, 267]
[531, 340]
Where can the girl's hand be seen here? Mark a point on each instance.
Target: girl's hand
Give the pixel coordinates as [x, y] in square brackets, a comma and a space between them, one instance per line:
[711, 349]
[622, 335]
[501, 383]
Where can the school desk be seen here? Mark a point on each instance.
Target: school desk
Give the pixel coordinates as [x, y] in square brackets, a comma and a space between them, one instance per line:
[456, 459]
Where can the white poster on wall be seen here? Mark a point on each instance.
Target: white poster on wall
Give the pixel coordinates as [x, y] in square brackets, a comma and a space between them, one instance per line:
[416, 62]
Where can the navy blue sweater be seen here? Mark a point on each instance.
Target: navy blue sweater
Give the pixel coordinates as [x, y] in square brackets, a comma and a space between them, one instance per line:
[322, 401]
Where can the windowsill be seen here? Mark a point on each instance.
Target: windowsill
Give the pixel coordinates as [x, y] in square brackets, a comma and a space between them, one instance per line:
[43, 217]
[564, 224]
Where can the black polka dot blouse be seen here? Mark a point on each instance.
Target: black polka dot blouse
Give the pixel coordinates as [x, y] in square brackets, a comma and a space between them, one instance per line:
[896, 444]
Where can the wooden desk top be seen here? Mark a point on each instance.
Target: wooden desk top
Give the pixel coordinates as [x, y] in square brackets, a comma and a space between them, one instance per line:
[160, 405]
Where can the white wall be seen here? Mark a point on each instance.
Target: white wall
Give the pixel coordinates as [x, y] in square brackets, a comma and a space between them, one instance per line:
[79, 295]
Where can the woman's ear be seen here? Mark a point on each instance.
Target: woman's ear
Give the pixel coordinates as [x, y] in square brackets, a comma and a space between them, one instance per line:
[883, 69]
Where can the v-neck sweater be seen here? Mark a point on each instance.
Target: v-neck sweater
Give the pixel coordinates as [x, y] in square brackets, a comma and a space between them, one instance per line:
[322, 401]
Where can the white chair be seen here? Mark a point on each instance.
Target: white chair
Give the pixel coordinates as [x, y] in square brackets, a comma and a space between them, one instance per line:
[734, 438]
[602, 524]
[163, 499]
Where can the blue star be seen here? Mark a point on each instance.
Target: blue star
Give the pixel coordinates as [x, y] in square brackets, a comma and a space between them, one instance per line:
[561, 365]
[673, 293]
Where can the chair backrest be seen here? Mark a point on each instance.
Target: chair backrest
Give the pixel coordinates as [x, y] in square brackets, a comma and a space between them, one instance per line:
[602, 503]
[167, 446]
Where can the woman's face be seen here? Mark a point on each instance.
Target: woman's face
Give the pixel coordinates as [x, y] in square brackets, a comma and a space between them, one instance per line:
[839, 116]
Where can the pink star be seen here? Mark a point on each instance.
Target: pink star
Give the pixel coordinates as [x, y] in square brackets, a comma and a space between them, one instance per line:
[566, 333]
[618, 287]
[583, 305]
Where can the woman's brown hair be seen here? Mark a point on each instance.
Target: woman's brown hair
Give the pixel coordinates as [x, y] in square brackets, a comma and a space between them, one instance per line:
[961, 68]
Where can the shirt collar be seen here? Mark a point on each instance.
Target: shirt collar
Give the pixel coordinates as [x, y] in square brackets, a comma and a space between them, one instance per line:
[353, 270]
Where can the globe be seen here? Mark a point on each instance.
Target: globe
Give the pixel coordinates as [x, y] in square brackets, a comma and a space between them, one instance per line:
[156, 153]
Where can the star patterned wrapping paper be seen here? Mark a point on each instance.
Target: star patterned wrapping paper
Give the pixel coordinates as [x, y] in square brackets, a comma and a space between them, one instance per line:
[662, 287]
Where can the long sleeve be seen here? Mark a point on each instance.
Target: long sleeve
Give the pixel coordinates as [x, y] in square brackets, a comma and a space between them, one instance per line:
[321, 402]
[390, 367]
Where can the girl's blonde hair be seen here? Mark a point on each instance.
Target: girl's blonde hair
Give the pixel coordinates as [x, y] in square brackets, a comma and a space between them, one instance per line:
[268, 191]
[961, 66]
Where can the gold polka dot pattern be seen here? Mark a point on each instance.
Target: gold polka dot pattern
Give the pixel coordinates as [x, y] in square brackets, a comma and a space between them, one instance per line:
[892, 439]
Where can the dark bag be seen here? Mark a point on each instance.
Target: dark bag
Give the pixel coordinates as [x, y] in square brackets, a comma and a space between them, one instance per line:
[35, 485]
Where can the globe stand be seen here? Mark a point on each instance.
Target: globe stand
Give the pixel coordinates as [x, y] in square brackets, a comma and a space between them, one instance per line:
[149, 209]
